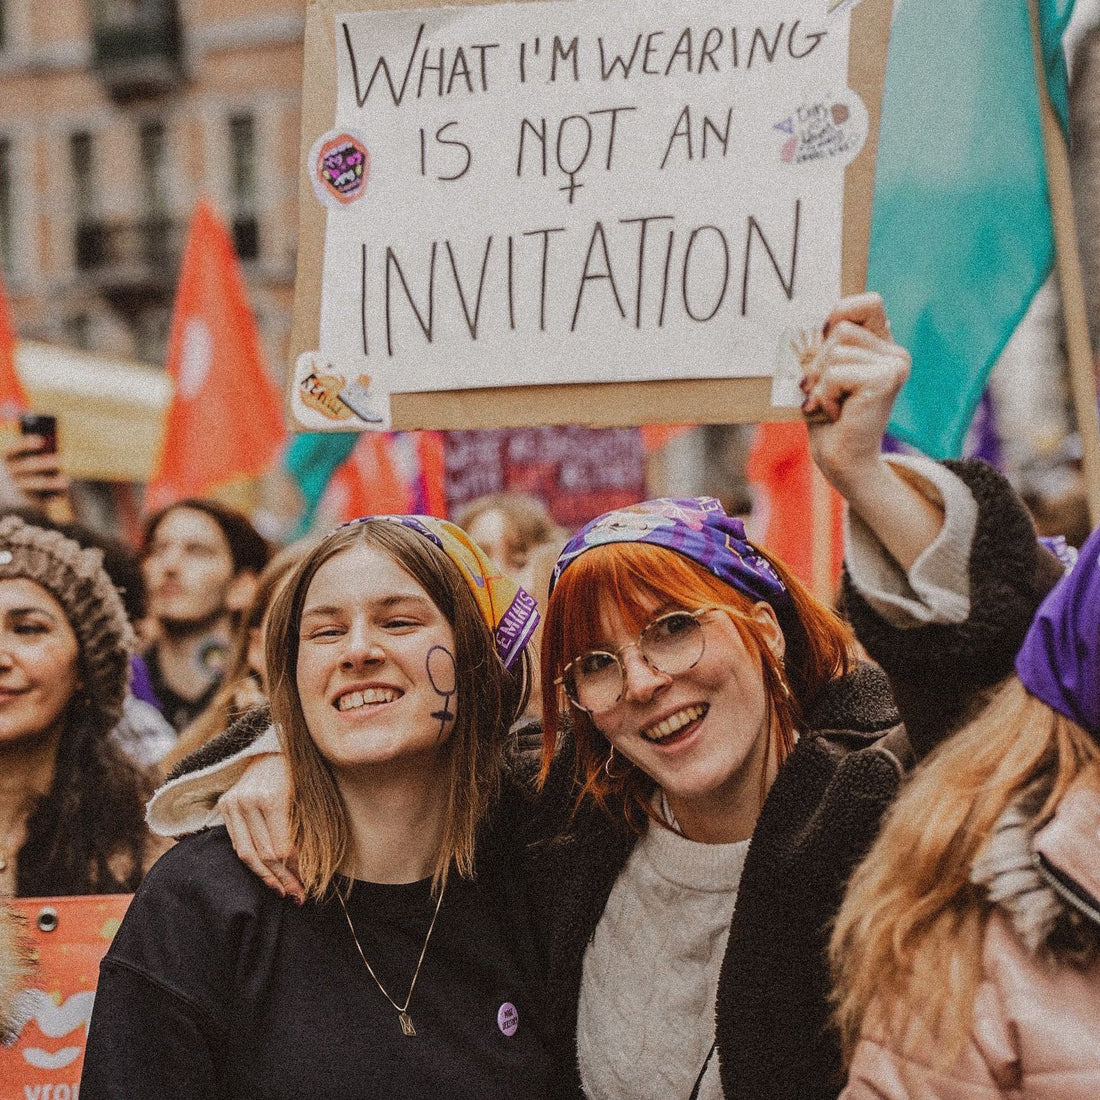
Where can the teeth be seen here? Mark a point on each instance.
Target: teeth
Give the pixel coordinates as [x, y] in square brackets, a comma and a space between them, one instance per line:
[674, 723]
[355, 699]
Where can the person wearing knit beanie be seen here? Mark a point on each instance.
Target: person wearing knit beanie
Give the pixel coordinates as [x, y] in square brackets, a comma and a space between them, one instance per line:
[75, 577]
[71, 807]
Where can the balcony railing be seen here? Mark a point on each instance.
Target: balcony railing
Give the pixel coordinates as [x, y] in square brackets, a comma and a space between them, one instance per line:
[138, 53]
[131, 259]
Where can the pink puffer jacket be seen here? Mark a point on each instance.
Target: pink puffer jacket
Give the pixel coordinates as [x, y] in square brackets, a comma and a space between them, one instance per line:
[1036, 1029]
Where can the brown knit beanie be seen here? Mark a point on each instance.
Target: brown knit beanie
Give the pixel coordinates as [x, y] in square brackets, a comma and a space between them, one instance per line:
[74, 576]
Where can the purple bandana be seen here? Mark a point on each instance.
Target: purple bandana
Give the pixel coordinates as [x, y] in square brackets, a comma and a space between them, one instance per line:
[698, 529]
[1059, 661]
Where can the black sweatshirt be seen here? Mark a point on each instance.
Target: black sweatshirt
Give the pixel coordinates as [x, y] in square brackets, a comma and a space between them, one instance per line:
[215, 987]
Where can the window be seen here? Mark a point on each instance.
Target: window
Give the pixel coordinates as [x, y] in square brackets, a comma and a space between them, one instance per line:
[154, 167]
[90, 241]
[6, 204]
[83, 174]
[242, 150]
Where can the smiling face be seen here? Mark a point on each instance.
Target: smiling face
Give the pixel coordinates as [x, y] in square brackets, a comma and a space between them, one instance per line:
[39, 661]
[369, 642]
[701, 735]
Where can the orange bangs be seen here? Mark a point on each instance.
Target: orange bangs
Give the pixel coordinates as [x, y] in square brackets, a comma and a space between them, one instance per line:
[639, 580]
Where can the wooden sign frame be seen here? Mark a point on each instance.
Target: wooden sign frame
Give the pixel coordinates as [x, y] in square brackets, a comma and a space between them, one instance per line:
[600, 404]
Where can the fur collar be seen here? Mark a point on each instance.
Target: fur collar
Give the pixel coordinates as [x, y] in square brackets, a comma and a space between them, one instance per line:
[1034, 874]
[14, 967]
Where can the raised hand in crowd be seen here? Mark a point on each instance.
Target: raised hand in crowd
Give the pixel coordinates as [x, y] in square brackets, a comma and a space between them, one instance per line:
[850, 389]
[39, 477]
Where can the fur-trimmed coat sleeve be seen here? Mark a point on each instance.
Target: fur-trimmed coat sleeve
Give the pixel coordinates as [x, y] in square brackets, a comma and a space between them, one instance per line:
[938, 669]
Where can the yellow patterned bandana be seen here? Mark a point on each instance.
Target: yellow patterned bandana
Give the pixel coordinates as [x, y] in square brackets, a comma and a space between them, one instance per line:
[510, 612]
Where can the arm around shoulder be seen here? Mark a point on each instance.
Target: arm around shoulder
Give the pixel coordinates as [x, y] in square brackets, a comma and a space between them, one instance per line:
[188, 800]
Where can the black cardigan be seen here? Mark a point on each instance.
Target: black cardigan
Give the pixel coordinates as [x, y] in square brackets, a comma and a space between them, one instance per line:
[818, 820]
[821, 815]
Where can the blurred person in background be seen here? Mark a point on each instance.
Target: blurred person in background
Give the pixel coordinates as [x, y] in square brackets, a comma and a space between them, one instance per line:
[518, 532]
[509, 527]
[72, 815]
[200, 560]
[244, 684]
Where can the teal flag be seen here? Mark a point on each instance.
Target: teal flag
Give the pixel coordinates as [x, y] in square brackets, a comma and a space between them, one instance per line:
[311, 459]
[961, 234]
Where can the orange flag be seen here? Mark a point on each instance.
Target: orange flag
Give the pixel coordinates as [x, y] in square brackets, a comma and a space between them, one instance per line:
[225, 420]
[655, 436]
[13, 398]
[781, 469]
[368, 483]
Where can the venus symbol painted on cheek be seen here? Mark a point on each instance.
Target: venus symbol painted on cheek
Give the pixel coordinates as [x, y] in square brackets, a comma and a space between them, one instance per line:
[443, 674]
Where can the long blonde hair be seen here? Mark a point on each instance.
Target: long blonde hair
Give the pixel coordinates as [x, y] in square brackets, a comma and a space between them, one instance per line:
[488, 699]
[907, 943]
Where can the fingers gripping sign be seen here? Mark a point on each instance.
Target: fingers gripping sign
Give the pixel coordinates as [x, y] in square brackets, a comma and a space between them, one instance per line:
[850, 387]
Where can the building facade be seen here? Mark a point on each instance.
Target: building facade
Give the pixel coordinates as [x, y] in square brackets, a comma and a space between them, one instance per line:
[116, 116]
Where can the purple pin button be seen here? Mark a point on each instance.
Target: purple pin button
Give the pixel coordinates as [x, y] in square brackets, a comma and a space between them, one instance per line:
[508, 1018]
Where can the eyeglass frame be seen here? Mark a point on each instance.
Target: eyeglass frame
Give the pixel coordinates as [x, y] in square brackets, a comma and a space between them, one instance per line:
[616, 656]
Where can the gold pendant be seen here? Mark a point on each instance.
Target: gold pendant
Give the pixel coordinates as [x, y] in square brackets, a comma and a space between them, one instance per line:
[406, 1023]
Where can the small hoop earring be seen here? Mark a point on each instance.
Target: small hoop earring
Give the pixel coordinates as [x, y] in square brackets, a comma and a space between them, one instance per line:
[607, 766]
[781, 677]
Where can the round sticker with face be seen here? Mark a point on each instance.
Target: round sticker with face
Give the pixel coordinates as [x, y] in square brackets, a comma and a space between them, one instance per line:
[340, 166]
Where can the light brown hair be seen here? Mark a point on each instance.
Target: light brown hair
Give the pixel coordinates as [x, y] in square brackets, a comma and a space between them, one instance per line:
[488, 699]
[911, 915]
[633, 578]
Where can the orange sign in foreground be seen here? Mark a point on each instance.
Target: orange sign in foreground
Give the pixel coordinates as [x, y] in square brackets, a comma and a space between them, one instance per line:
[68, 937]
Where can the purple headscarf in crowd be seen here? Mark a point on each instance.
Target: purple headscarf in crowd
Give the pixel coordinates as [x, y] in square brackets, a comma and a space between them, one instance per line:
[699, 529]
[1059, 661]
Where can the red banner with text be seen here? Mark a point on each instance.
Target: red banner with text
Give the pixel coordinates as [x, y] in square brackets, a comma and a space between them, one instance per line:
[67, 937]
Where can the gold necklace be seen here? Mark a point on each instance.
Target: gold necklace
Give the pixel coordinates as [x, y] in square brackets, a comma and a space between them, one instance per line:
[402, 1010]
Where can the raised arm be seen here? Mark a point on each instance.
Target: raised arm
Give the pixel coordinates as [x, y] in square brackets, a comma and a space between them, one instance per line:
[850, 390]
[943, 572]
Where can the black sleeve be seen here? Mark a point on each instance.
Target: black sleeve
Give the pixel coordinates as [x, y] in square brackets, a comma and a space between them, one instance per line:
[239, 736]
[938, 671]
[146, 1041]
[166, 1005]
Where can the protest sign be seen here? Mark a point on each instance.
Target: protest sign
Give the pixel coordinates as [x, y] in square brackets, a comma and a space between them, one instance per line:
[574, 211]
[67, 938]
[576, 472]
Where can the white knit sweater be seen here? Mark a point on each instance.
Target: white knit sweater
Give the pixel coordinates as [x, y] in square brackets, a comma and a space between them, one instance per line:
[646, 1017]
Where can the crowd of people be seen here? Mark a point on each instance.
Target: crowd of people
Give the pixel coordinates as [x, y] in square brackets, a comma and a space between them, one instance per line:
[742, 843]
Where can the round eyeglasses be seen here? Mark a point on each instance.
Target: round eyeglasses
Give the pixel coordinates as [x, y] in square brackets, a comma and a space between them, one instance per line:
[671, 644]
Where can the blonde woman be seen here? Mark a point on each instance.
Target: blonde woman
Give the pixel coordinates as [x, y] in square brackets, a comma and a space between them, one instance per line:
[395, 657]
[967, 951]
